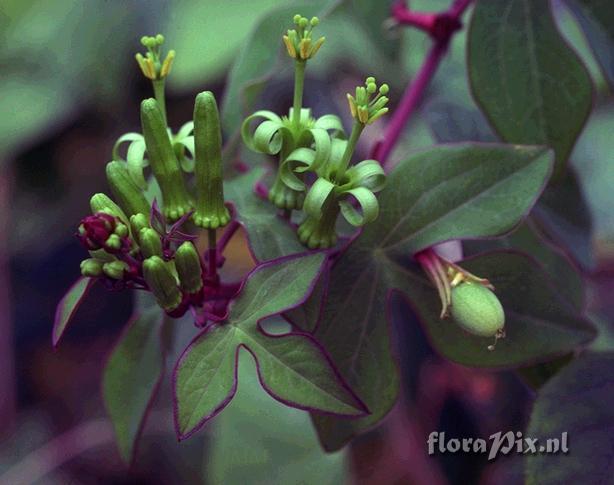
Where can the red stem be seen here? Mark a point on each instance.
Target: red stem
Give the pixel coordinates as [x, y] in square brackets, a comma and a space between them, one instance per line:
[227, 236]
[440, 26]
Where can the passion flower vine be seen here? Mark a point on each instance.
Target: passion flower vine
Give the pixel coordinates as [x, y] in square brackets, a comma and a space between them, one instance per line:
[178, 199]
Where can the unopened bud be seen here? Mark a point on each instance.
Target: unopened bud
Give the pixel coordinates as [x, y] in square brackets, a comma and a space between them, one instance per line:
[115, 269]
[162, 283]
[91, 267]
[149, 241]
[163, 162]
[128, 194]
[211, 212]
[187, 263]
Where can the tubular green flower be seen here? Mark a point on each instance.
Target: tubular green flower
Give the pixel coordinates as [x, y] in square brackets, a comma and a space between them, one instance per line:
[211, 212]
[129, 196]
[163, 162]
[187, 263]
[162, 283]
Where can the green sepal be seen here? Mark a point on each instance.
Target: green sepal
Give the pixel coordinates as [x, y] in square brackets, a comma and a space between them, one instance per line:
[129, 195]
[211, 212]
[163, 162]
[91, 267]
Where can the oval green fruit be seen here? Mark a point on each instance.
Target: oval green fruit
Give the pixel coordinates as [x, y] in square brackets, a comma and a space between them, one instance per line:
[477, 310]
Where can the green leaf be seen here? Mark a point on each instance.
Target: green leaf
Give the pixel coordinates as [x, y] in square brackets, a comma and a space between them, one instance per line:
[292, 367]
[132, 376]
[458, 191]
[577, 401]
[269, 235]
[255, 434]
[307, 316]
[595, 18]
[530, 240]
[68, 306]
[260, 58]
[503, 182]
[184, 34]
[564, 216]
[531, 86]
[453, 122]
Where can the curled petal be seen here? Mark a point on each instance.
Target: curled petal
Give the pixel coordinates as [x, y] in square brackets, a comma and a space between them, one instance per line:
[135, 156]
[186, 130]
[367, 202]
[368, 174]
[187, 163]
[330, 123]
[300, 160]
[268, 136]
[317, 197]
[305, 117]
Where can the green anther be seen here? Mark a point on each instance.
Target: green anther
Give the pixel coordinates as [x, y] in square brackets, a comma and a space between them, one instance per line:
[128, 195]
[211, 212]
[299, 43]
[102, 203]
[115, 269]
[187, 263]
[163, 162]
[91, 267]
[162, 283]
[314, 21]
[365, 107]
[477, 310]
[113, 242]
[303, 22]
[297, 18]
[150, 243]
[384, 89]
[138, 222]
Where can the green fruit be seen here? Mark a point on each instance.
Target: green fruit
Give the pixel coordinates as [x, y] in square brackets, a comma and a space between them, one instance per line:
[477, 310]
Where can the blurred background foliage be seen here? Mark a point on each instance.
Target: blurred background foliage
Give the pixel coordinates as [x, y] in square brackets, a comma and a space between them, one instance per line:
[69, 86]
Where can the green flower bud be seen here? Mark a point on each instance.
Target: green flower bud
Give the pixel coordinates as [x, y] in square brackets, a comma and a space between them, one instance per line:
[138, 222]
[129, 196]
[91, 267]
[477, 310]
[162, 283]
[149, 241]
[113, 242]
[115, 269]
[211, 212]
[163, 162]
[103, 203]
[187, 263]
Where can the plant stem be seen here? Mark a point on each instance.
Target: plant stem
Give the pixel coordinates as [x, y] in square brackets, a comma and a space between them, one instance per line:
[158, 87]
[230, 230]
[349, 151]
[299, 82]
[440, 27]
[211, 233]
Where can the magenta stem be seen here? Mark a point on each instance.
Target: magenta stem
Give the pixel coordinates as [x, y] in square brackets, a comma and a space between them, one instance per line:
[227, 236]
[440, 26]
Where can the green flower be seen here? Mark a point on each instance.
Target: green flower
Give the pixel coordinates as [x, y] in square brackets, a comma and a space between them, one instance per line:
[151, 64]
[332, 194]
[299, 42]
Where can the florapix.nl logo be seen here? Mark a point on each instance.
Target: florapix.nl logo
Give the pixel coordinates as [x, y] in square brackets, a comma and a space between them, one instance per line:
[499, 443]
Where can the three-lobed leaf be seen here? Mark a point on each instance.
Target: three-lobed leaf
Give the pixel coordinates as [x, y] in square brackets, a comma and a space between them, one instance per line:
[529, 83]
[291, 367]
[131, 378]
